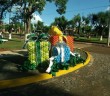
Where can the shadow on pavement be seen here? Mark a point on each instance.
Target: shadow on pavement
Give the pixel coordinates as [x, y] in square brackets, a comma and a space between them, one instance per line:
[9, 67]
[35, 90]
[98, 49]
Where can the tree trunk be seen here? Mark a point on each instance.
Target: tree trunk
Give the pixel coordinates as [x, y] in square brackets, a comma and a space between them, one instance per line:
[89, 36]
[25, 29]
[28, 28]
[101, 38]
[27, 19]
[108, 40]
[10, 36]
[101, 35]
[79, 28]
[29, 25]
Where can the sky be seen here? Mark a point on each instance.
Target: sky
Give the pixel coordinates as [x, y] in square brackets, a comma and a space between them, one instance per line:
[74, 7]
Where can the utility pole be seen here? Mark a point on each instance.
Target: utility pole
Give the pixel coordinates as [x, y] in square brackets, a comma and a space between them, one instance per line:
[108, 41]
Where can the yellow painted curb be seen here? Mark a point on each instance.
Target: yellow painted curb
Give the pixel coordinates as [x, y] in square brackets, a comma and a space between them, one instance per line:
[32, 79]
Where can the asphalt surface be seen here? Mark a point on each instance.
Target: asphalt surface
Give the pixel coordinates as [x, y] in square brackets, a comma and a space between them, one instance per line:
[91, 80]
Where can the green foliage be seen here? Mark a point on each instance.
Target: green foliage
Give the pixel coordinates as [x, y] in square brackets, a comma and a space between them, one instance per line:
[46, 29]
[27, 66]
[28, 7]
[74, 60]
[60, 4]
[6, 5]
[1, 27]
[85, 20]
[100, 22]
[61, 22]
[88, 28]
[77, 22]
[77, 18]
[39, 25]
[100, 19]
[94, 18]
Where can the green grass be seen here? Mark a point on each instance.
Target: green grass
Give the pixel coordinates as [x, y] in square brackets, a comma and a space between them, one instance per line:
[13, 44]
[91, 40]
[17, 43]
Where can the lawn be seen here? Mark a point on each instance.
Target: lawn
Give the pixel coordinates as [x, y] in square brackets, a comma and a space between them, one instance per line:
[13, 44]
[91, 40]
[17, 43]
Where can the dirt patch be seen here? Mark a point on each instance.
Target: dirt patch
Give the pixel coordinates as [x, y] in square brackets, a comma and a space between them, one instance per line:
[2, 49]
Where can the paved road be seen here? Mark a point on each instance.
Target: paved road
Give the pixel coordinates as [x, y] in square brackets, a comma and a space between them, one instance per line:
[91, 80]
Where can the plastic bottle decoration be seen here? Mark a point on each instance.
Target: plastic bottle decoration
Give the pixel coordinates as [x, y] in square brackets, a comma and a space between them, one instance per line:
[60, 58]
[30, 64]
[55, 39]
[55, 31]
[45, 51]
[62, 52]
[75, 58]
[70, 42]
[57, 36]
[42, 51]
[38, 53]
[62, 55]
[31, 52]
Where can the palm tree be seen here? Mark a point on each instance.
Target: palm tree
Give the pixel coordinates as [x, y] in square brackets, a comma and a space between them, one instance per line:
[76, 22]
[100, 22]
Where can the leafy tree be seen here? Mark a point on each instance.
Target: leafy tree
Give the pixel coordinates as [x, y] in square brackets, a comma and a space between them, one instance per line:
[85, 25]
[31, 6]
[100, 22]
[76, 22]
[85, 20]
[28, 7]
[46, 29]
[5, 5]
[61, 22]
[94, 19]
[39, 26]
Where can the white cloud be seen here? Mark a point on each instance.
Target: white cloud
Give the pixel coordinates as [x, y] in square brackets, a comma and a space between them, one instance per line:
[35, 19]
[108, 8]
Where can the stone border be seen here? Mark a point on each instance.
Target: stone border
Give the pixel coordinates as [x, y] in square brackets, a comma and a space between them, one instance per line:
[45, 76]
